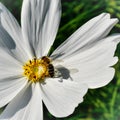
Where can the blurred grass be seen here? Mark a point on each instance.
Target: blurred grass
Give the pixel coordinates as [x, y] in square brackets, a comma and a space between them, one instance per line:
[99, 104]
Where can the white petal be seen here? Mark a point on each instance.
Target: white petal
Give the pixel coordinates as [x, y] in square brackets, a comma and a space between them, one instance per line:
[27, 105]
[5, 39]
[61, 98]
[93, 65]
[91, 32]
[98, 79]
[9, 88]
[9, 23]
[40, 21]
[10, 73]
[11, 35]
[9, 66]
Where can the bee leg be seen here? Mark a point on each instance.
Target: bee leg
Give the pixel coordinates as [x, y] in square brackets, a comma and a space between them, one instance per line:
[57, 74]
[61, 79]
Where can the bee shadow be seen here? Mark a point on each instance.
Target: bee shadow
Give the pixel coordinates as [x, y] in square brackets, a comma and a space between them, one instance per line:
[65, 73]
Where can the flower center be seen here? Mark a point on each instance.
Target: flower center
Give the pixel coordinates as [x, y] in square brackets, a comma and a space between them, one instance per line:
[37, 70]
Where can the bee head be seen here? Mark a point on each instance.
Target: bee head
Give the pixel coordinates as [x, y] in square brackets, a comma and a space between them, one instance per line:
[46, 59]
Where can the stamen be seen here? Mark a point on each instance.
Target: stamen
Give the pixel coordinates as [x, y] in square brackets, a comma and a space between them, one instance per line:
[37, 70]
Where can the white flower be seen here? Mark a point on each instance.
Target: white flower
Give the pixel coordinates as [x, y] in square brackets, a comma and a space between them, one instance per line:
[61, 80]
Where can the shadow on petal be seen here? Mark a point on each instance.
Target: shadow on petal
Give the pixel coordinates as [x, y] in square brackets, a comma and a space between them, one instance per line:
[20, 102]
[5, 39]
[65, 73]
[55, 56]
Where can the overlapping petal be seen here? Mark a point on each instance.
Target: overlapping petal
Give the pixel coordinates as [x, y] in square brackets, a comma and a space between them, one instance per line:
[27, 105]
[11, 82]
[9, 88]
[40, 21]
[61, 98]
[9, 66]
[11, 35]
[90, 33]
[94, 64]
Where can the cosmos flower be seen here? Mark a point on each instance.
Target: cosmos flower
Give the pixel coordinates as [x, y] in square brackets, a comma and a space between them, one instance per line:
[28, 76]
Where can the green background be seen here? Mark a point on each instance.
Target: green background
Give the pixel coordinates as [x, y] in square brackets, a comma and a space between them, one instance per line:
[102, 103]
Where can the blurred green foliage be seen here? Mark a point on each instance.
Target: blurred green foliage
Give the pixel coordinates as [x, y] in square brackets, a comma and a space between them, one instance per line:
[99, 104]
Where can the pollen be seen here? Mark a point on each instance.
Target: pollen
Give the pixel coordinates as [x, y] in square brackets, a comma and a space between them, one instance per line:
[36, 70]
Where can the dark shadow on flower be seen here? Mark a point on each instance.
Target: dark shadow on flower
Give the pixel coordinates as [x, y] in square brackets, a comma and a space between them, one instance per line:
[53, 57]
[6, 40]
[65, 73]
[11, 78]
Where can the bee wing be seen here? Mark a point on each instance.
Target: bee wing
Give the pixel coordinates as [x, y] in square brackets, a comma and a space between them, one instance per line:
[55, 62]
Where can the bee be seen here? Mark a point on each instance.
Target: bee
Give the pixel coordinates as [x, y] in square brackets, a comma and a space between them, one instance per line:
[46, 60]
[50, 67]
[51, 70]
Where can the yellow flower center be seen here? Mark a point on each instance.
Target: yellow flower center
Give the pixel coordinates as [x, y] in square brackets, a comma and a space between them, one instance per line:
[37, 70]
